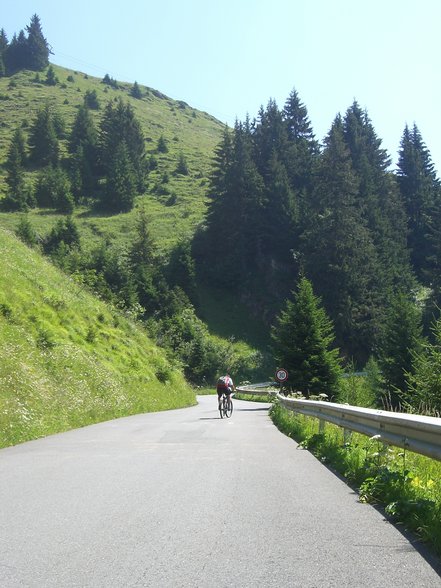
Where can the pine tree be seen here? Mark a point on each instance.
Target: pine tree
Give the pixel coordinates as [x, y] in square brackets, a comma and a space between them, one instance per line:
[182, 166]
[15, 55]
[83, 131]
[119, 125]
[423, 390]
[339, 254]
[281, 212]
[83, 180]
[65, 231]
[269, 136]
[43, 141]
[91, 100]
[401, 340]
[3, 48]
[121, 182]
[378, 199]
[182, 270]
[53, 190]
[37, 46]
[135, 91]
[301, 152]
[51, 78]
[302, 343]
[162, 145]
[26, 232]
[143, 249]
[420, 190]
[432, 273]
[3, 41]
[17, 197]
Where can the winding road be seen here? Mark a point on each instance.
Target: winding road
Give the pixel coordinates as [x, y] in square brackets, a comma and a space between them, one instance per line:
[185, 499]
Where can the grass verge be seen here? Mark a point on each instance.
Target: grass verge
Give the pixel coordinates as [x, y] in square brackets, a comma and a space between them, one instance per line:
[253, 398]
[405, 484]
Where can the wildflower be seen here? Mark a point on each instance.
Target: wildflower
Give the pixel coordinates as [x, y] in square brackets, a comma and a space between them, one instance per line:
[417, 482]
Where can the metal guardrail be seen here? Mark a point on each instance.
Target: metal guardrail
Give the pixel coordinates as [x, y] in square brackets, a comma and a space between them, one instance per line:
[256, 389]
[420, 434]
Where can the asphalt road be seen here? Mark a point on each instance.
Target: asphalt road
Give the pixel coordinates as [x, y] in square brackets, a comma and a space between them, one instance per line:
[183, 498]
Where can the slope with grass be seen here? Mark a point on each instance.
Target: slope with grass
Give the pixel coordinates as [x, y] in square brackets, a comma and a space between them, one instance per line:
[175, 202]
[68, 359]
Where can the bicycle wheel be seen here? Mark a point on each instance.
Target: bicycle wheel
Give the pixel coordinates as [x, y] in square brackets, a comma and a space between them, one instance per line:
[222, 408]
[228, 408]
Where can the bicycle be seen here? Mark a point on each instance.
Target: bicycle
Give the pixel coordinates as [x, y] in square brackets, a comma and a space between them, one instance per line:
[226, 407]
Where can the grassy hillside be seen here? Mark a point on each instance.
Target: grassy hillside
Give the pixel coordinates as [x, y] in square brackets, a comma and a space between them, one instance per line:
[180, 206]
[67, 359]
[174, 207]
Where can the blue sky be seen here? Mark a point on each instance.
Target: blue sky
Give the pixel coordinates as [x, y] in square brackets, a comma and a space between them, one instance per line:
[231, 56]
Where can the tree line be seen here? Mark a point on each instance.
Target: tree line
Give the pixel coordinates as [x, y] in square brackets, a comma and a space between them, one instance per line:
[27, 50]
[284, 209]
[106, 165]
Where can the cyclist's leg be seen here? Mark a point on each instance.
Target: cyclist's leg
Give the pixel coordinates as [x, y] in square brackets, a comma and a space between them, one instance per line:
[229, 401]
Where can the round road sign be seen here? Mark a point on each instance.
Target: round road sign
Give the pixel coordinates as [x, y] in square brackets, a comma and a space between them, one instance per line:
[281, 375]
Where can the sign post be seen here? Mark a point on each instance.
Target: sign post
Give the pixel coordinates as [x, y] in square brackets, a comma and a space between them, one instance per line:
[281, 376]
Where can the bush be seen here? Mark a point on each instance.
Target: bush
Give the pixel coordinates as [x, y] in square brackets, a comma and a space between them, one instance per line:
[54, 191]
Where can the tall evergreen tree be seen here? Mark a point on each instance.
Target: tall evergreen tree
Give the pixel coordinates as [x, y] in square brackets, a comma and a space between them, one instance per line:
[3, 48]
[83, 144]
[182, 270]
[339, 254]
[420, 190]
[378, 198]
[302, 146]
[143, 249]
[269, 136]
[302, 342]
[17, 197]
[135, 91]
[82, 173]
[65, 231]
[37, 46]
[281, 212]
[401, 340]
[3, 41]
[43, 140]
[423, 390]
[83, 131]
[26, 232]
[236, 216]
[53, 190]
[51, 78]
[119, 125]
[121, 182]
[15, 55]
[432, 273]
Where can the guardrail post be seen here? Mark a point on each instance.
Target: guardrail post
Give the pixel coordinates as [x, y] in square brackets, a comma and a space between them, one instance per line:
[321, 426]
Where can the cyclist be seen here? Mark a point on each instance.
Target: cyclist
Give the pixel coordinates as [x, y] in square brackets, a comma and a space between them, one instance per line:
[225, 386]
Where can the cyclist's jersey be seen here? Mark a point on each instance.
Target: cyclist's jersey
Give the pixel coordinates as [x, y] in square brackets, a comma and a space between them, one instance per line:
[225, 385]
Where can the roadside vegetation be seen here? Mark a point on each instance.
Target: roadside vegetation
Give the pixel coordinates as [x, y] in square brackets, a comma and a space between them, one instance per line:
[406, 485]
[69, 359]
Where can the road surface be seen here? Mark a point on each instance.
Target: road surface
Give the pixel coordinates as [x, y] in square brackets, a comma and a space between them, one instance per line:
[185, 499]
